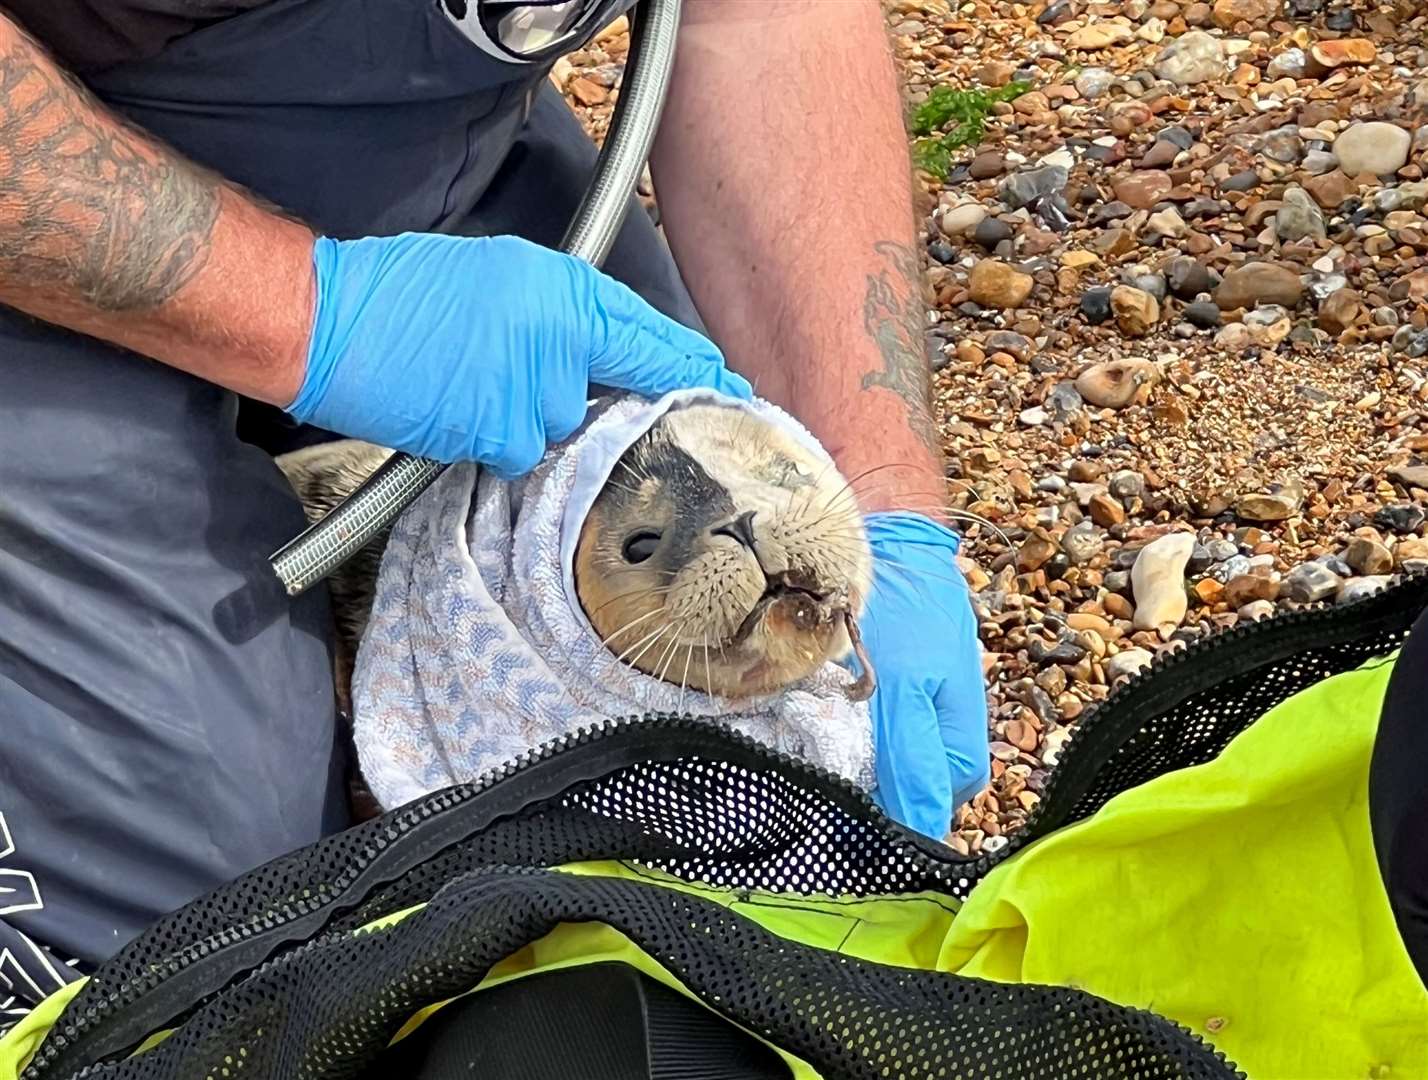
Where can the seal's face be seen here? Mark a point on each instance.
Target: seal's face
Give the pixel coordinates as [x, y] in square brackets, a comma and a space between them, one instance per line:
[723, 556]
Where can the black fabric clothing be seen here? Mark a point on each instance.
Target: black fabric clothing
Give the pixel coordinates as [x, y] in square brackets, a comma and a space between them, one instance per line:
[148, 752]
[603, 1021]
[86, 35]
[1398, 794]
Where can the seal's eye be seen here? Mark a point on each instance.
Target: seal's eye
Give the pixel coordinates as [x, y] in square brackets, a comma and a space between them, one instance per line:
[639, 546]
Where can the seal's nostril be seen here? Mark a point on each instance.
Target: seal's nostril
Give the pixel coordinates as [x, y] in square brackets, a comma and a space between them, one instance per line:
[740, 529]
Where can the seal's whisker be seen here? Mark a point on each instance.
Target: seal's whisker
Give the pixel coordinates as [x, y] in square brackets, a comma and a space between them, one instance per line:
[957, 514]
[907, 575]
[851, 486]
[629, 625]
[634, 660]
[881, 468]
[684, 682]
[708, 671]
[885, 560]
[622, 567]
[667, 657]
[629, 466]
[925, 494]
[846, 489]
[655, 634]
[830, 508]
[946, 479]
[622, 487]
[967, 515]
[653, 590]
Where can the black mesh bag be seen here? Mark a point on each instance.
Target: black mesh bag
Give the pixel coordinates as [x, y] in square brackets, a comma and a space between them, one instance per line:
[267, 976]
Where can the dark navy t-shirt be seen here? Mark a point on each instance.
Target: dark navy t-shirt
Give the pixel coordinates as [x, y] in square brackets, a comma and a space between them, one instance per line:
[87, 35]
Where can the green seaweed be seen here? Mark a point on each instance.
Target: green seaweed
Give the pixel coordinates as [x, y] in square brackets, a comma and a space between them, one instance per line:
[966, 110]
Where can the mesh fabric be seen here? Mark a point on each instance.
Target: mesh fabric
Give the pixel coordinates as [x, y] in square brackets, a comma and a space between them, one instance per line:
[265, 976]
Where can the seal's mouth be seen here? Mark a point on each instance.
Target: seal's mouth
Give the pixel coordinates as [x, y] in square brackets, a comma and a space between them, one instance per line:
[809, 607]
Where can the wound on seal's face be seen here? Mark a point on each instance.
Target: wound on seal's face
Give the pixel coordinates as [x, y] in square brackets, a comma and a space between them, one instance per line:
[722, 555]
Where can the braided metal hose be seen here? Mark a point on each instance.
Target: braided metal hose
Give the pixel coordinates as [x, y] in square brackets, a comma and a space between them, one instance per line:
[346, 529]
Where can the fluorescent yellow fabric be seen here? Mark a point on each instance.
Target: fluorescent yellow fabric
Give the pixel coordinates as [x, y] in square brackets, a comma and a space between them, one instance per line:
[904, 931]
[22, 1040]
[1240, 898]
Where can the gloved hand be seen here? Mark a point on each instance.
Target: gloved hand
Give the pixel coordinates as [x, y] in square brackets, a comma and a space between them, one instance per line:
[930, 708]
[459, 348]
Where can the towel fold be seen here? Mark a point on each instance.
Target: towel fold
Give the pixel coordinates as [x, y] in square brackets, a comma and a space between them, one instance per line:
[478, 650]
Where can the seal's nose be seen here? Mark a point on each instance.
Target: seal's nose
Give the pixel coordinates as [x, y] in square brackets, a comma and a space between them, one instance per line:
[740, 529]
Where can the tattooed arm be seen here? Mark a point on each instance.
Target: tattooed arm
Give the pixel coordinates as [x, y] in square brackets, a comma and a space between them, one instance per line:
[784, 181]
[105, 231]
[783, 178]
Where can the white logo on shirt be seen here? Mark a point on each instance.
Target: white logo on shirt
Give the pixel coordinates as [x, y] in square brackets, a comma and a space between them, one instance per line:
[18, 889]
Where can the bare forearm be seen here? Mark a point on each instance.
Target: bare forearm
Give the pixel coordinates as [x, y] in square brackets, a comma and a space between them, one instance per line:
[784, 184]
[105, 231]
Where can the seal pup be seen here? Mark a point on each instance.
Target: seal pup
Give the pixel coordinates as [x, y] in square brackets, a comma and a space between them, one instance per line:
[721, 554]
[724, 556]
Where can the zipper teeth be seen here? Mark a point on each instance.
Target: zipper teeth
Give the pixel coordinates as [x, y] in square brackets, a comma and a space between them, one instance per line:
[966, 869]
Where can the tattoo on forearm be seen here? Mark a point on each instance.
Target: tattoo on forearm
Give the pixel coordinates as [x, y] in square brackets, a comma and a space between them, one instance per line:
[88, 206]
[893, 316]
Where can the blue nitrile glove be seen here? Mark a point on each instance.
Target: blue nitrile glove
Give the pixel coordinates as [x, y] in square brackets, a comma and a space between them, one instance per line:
[930, 708]
[481, 349]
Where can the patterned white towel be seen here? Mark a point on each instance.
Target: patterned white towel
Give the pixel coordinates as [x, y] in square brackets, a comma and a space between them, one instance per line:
[478, 650]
